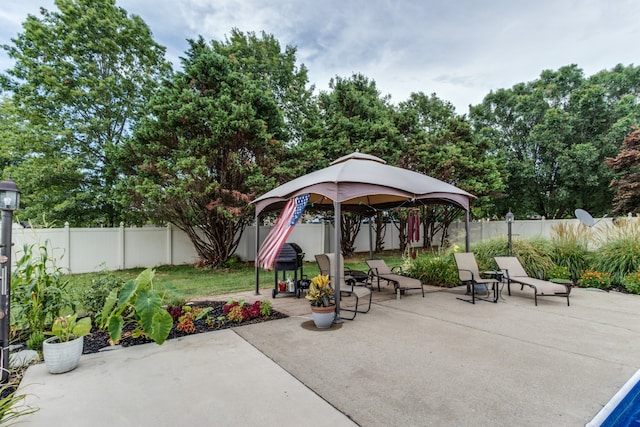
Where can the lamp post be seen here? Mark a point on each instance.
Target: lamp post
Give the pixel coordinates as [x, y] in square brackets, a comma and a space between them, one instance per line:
[509, 218]
[9, 202]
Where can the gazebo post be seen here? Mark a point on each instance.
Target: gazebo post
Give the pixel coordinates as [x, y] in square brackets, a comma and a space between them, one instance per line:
[466, 229]
[257, 250]
[370, 239]
[336, 265]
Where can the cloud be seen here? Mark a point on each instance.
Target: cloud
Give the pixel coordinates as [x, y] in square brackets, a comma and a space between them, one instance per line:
[459, 49]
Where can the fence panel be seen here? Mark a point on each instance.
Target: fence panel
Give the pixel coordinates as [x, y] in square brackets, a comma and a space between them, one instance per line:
[82, 250]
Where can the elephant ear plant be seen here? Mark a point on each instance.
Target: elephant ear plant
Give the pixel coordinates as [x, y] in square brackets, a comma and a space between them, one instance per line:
[139, 302]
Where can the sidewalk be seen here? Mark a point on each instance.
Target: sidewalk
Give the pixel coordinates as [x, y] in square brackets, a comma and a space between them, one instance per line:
[417, 361]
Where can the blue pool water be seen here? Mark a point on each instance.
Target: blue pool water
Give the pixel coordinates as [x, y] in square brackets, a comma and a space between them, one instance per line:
[624, 408]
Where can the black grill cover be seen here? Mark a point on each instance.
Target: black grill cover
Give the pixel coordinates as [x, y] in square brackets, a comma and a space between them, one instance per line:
[290, 257]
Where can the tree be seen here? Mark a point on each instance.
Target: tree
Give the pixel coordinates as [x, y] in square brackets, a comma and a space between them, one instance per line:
[355, 116]
[553, 135]
[439, 143]
[81, 78]
[46, 181]
[352, 116]
[627, 167]
[209, 145]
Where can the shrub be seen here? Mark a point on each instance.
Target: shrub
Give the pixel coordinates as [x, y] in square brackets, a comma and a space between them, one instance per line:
[570, 244]
[485, 250]
[93, 297]
[438, 270]
[619, 253]
[560, 272]
[631, 282]
[595, 279]
[534, 254]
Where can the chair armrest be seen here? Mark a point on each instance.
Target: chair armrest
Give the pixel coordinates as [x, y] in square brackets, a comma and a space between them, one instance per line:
[397, 268]
[468, 271]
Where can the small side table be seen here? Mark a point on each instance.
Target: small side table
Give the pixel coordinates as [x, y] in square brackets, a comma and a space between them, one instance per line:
[498, 276]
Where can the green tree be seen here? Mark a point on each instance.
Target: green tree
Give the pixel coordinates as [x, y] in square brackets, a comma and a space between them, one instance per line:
[352, 116]
[439, 143]
[275, 69]
[80, 81]
[355, 116]
[553, 135]
[213, 136]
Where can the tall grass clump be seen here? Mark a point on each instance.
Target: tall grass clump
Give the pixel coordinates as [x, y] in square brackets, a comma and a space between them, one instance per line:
[435, 269]
[619, 249]
[485, 250]
[533, 253]
[570, 248]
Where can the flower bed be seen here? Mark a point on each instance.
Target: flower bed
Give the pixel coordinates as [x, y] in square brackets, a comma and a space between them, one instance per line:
[190, 319]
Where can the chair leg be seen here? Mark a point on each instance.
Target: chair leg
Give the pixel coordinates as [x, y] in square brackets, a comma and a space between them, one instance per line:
[354, 310]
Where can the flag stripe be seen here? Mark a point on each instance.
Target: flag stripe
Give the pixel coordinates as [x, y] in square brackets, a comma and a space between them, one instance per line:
[270, 248]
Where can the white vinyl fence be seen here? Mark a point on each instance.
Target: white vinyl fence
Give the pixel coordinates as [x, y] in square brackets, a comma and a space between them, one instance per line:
[82, 250]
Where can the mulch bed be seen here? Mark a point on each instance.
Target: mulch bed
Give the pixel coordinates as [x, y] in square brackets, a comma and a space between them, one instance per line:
[98, 339]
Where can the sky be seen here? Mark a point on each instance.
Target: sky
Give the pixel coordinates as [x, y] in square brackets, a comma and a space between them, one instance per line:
[458, 49]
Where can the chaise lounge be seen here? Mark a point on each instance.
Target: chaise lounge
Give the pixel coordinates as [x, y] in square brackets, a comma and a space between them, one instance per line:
[379, 270]
[514, 272]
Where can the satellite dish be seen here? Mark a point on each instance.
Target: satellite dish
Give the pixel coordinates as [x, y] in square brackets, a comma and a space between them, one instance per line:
[585, 217]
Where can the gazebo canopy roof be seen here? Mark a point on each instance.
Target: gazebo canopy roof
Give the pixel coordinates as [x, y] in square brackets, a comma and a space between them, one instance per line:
[360, 182]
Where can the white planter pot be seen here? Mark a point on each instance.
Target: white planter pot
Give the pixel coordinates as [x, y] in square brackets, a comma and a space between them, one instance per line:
[323, 316]
[62, 356]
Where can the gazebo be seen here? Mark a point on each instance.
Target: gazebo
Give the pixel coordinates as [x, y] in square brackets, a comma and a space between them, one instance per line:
[359, 182]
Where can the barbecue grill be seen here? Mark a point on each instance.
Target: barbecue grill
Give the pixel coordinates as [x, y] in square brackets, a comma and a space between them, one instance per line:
[290, 259]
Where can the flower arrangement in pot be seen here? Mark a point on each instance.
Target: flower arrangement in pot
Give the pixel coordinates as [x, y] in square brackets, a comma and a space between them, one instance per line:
[63, 349]
[322, 304]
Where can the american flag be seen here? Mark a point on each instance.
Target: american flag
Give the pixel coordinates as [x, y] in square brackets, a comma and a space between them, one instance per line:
[276, 238]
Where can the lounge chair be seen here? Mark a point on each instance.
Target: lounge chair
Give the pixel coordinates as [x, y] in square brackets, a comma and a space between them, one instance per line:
[379, 270]
[514, 272]
[469, 274]
[348, 285]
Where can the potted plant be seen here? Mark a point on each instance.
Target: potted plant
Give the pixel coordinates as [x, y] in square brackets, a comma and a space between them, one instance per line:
[63, 349]
[322, 305]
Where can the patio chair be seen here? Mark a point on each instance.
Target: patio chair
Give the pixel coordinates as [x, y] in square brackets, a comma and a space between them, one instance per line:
[469, 274]
[349, 287]
[514, 272]
[379, 270]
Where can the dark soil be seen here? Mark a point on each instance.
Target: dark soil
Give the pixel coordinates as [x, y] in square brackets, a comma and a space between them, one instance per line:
[98, 339]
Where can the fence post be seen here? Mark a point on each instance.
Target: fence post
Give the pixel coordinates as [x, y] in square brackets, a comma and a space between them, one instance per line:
[169, 245]
[67, 245]
[121, 265]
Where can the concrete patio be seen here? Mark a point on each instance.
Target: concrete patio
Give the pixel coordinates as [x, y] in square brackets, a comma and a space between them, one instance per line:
[411, 362]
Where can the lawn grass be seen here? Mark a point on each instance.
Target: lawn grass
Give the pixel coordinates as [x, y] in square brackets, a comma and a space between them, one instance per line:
[189, 282]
